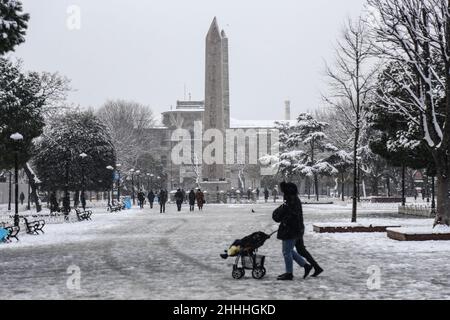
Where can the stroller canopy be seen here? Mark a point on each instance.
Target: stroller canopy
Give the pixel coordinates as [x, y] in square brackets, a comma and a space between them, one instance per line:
[254, 241]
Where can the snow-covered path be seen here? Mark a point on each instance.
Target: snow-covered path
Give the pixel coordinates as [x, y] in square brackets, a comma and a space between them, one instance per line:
[141, 254]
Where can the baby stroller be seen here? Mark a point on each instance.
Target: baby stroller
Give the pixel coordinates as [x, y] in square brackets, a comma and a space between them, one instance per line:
[247, 257]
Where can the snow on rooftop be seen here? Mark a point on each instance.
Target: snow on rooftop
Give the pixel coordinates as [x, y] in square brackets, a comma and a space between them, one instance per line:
[234, 123]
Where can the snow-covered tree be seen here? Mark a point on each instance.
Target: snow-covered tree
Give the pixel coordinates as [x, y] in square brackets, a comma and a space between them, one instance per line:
[127, 122]
[342, 161]
[415, 37]
[58, 161]
[351, 85]
[301, 149]
[26, 99]
[13, 25]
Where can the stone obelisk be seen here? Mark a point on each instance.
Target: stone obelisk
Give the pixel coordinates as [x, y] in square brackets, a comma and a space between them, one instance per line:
[217, 102]
[216, 115]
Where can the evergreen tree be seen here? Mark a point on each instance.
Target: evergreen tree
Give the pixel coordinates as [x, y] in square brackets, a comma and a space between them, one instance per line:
[58, 162]
[13, 25]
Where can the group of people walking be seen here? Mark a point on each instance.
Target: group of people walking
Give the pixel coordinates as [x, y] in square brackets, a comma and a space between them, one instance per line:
[192, 198]
[162, 197]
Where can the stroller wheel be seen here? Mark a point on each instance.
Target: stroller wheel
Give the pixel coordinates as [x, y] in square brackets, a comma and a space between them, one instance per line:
[259, 273]
[238, 273]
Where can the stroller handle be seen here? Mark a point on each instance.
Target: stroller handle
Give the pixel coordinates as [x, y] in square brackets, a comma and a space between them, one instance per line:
[270, 236]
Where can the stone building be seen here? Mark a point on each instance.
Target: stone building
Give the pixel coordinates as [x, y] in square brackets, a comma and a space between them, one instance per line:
[211, 113]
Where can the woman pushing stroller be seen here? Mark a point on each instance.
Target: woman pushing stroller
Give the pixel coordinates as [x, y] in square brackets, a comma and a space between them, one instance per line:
[291, 230]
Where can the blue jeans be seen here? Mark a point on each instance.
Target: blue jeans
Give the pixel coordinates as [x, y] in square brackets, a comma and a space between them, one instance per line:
[290, 255]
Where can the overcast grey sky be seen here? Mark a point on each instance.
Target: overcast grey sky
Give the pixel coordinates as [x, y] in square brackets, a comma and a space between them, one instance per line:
[148, 50]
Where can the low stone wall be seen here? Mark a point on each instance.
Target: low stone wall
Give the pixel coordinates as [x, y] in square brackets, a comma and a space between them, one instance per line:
[416, 210]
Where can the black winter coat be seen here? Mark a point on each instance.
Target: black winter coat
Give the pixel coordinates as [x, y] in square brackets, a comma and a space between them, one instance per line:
[179, 196]
[290, 217]
[163, 197]
[192, 198]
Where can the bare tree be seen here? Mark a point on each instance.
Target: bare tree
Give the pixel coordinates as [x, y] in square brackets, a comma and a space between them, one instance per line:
[350, 86]
[128, 123]
[415, 35]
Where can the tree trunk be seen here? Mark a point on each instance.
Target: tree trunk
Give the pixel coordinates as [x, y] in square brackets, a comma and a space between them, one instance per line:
[316, 184]
[355, 175]
[443, 201]
[309, 188]
[374, 185]
[34, 188]
[388, 186]
[359, 183]
[343, 186]
[403, 186]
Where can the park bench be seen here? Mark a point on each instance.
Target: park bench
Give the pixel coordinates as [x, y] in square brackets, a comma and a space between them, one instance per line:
[33, 227]
[13, 232]
[114, 208]
[82, 216]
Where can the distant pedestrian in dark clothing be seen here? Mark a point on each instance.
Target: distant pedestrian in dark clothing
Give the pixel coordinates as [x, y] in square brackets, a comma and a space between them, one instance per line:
[249, 194]
[21, 197]
[257, 193]
[54, 205]
[275, 195]
[163, 195]
[191, 200]
[141, 199]
[184, 195]
[151, 198]
[290, 217]
[179, 198]
[266, 194]
[83, 201]
[200, 197]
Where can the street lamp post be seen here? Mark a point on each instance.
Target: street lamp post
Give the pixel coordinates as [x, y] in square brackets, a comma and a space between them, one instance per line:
[111, 168]
[28, 198]
[118, 165]
[138, 172]
[148, 182]
[17, 137]
[10, 191]
[132, 186]
[66, 201]
[159, 182]
[83, 181]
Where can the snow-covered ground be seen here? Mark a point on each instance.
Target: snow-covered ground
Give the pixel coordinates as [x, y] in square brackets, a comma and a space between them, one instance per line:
[141, 254]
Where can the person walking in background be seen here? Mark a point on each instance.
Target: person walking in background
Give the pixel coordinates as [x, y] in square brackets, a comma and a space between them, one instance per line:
[163, 194]
[290, 217]
[275, 194]
[179, 198]
[141, 199]
[191, 200]
[266, 194]
[200, 199]
[184, 195]
[151, 198]
[249, 194]
[54, 204]
[22, 198]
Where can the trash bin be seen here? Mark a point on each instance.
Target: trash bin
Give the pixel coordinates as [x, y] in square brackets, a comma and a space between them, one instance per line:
[127, 202]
